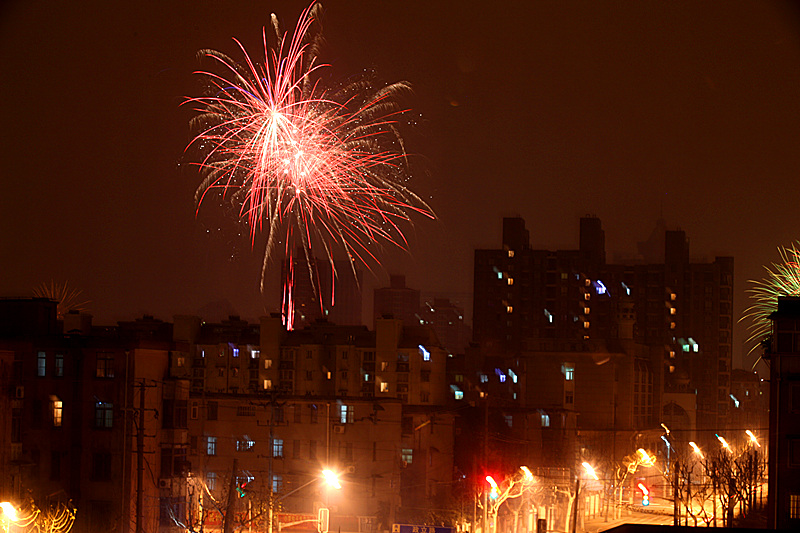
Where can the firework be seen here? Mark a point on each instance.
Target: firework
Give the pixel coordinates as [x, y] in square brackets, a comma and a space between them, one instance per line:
[308, 166]
[68, 299]
[782, 279]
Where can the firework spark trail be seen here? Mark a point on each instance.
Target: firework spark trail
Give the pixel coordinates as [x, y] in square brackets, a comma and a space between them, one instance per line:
[782, 279]
[68, 299]
[302, 164]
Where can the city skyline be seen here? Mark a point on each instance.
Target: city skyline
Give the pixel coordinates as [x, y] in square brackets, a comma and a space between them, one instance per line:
[681, 112]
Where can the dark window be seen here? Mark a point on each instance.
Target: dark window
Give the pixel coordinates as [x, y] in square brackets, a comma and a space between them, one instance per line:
[55, 466]
[212, 411]
[166, 462]
[103, 415]
[105, 365]
[101, 466]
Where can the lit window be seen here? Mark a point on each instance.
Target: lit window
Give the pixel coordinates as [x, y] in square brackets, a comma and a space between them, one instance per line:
[672, 354]
[545, 420]
[236, 352]
[509, 420]
[366, 377]
[586, 325]
[244, 444]
[794, 506]
[599, 287]
[267, 364]
[499, 275]
[587, 282]
[587, 296]
[407, 455]
[277, 447]
[587, 310]
[513, 375]
[255, 354]
[549, 316]
[211, 445]
[277, 482]
[103, 415]
[672, 325]
[458, 395]
[509, 309]
[58, 410]
[267, 384]
[510, 281]
[211, 480]
[626, 289]
[511, 253]
[671, 369]
[384, 386]
[426, 355]
[346, 414]
[569, 371]
[672, 296]
[672, 310]
[41, 364]
[484, 378]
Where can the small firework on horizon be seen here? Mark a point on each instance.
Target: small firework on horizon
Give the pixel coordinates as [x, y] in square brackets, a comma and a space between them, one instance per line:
[68, 299]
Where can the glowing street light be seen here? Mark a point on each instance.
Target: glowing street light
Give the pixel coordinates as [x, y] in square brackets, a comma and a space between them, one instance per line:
[9, 511]
[590, 470]
[724, 443]
[528, 475]
[696, 449]
[753, 438]
[331, 479]
[646, 458]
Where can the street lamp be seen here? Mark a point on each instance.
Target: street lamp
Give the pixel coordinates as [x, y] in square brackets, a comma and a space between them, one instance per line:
[9, 511]
[328, 476]
[696, 449]
[753, 438]
[331, 479]
[724, 443]
[590, 470]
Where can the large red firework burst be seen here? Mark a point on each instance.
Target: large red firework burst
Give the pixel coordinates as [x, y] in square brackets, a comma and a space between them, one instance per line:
[310, 167]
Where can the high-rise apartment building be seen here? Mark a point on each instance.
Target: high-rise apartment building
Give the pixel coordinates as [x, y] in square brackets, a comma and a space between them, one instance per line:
[679, 308]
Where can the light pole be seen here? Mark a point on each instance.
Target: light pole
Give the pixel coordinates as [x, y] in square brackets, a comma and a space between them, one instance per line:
[328, 476]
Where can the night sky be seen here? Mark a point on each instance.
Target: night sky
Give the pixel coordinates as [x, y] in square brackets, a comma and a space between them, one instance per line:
[630, 111]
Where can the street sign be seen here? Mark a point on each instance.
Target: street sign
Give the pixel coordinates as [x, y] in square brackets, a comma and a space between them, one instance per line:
[411, 528]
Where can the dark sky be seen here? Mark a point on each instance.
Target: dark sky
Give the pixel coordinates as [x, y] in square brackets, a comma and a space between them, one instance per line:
[632, 111]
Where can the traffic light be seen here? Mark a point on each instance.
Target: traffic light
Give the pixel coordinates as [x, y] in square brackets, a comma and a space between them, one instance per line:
[494, 492]
[241, 489]
[645, 495]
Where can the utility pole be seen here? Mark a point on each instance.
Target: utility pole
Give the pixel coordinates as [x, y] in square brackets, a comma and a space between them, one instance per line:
[140, 462]
[227, 524]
